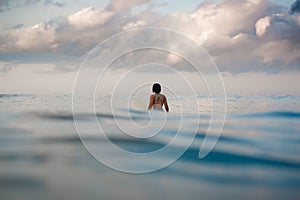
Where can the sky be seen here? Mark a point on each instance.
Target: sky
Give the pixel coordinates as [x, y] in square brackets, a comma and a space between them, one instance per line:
[255, 44]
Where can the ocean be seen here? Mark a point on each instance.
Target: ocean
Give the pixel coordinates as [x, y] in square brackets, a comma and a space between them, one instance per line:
[48, 151]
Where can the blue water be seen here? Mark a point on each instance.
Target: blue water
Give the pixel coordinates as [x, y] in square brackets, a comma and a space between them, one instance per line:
[257, 156]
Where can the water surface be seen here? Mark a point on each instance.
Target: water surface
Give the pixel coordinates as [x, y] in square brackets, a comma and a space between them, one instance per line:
[43, 157]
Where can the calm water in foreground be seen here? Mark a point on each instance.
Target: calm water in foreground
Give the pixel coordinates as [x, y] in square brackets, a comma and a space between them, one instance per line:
[42, 156]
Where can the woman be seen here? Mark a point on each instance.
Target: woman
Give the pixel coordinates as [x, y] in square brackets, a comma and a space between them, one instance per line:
[157, 100]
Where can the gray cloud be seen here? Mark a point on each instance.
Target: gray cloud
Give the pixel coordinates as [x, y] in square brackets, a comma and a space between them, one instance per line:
[295, 7]
[55, 3]
[9, 5]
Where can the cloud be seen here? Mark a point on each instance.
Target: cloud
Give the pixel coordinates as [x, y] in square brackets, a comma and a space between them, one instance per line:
[277, 50]
[74, 34]
[9, 5]
[247, 40]
[261, 25]
[240, 35]
[89, 17]
[55, 3]
[6, 5]
[36, 38]
[125, 5]
[133, 25]
[173, 59]
[61, 67]
[295, 8]
[281, 41]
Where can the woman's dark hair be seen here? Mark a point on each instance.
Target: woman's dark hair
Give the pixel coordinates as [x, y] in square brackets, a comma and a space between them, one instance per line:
[156, 88]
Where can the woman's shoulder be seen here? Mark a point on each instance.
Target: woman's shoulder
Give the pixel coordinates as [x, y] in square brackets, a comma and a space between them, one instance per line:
[163, 96]
[154, 95]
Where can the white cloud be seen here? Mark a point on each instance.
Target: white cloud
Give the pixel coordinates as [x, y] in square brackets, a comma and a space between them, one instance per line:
[261, 25]
[35, 38]
[226, 18]
[124, 5]
[132, 25]
[173, 59]
[89, 17]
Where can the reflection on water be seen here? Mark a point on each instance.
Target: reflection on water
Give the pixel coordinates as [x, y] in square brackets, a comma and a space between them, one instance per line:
[42, 156]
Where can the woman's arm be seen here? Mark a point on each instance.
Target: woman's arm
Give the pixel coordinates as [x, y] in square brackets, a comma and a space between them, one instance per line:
[166, 104]
[150, 103]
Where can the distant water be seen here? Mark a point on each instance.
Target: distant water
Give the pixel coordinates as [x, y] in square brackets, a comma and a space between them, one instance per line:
[257, 155]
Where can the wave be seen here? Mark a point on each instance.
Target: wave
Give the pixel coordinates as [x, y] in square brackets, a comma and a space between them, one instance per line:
[86, 116]
[8, 95]
[272, 114]
[136, 145]
[15, 95]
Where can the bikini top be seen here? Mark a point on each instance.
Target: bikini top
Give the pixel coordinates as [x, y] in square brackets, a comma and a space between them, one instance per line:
[158, 106]
[158, 96]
